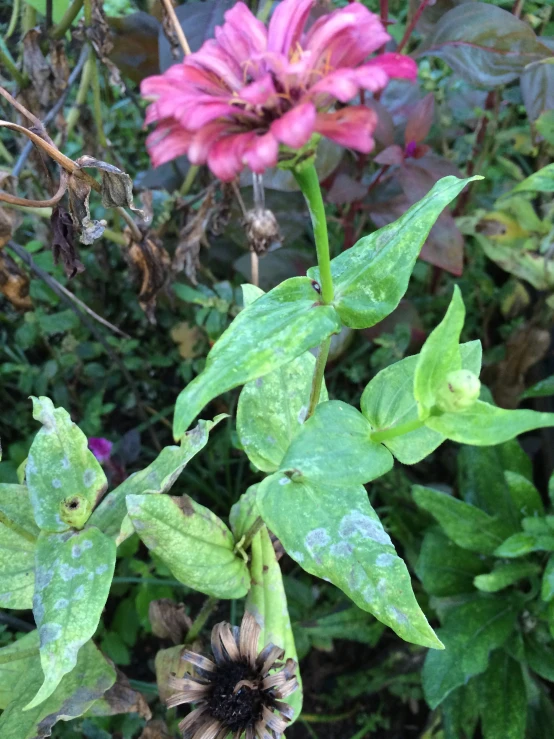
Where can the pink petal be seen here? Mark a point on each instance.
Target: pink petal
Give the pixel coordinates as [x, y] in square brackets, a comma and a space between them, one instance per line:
[351, 127]
[371, 77]
[197, 115]
[260, 92]
[395, 65]
[213, 58]
[168, 141]
[345, 37]
[287, 25]
[341, 84]
[262, 153]
[295, 127]
[204, 139]
[243, 35]
[225, 156]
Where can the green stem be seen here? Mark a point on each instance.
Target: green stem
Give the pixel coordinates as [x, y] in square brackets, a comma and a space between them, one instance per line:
[97, 101]
[189, 180]
[319, 372]
[88, 13]
[69, 16]
[306, 176]
[251, 533]
[29, 19]
[203, 615]
[13, 20]
[400, 430]
[8, 63]
[73, 115]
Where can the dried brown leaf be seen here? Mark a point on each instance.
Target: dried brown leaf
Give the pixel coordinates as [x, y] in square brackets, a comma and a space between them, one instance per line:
[10, 219]
[191, 237]
[149, 263]
[98, 33]
[63, 246]
[121, 698]
[14, 284]
[37, 67]
[117, 186]
[169, 620]
[156, 729]
[79, 192]
[59, 66]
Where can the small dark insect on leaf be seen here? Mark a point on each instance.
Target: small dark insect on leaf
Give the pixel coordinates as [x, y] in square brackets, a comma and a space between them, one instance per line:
[63, 246]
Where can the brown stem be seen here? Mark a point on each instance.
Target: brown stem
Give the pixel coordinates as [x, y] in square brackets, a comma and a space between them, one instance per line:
[517, 8]
[21, 108]
[411, 26]
[5, 197]
[170, 10]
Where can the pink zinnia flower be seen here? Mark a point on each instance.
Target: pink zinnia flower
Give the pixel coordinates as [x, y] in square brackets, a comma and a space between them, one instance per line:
[101, 448]
[249, 90]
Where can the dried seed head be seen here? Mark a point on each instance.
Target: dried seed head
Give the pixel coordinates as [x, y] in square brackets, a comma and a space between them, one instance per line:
[262, 230]
[240, 693]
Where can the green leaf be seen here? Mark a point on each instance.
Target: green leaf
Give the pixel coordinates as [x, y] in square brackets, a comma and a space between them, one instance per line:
[460, 711]
[484, 424]
[192, 541]
[545, 125]
[470, 633]
[445, 568]
[250, 293]
[16, 511]
[244, 513]
[333, 447]
[371, 278]
[335, 534]
[467, 526]
[503, 699]
[91, 677]
[439, 356]
[273, 330]
[522, 543]
[17, 565]
[74, 572]
[272, 409]
[267, 602]
[540, 655]
[547, 588]
[17, 659]
[58, 8]
[543, 388]
[526, 497]
[388, 400]
[541, 181]
[64, 478]
[505, 575]
[158, 477]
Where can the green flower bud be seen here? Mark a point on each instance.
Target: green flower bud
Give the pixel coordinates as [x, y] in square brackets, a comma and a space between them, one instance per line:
[459, 391]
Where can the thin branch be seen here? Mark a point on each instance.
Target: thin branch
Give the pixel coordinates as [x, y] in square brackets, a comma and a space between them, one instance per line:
[69, 16]
[21, 108]
[53, 285]
[6, 197]
[13, 20]
[170, 10]
[413, 23]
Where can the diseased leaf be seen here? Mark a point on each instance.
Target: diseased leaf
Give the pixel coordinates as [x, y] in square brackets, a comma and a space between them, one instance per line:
[371, 277]
[525, 496]
[505, 575]
[117, 186]
[272, 331]
[339, 427]
[17, 568]
[272, 409]
[446, 569]
[388, 400]
[541, 181]
[16, 511]
[192, 541]
[503, 699]
[470, 633]
[467, 526]
[484, 424]
[484, 44]
[77, 691]
[267, 602]
[334, 533]
[64, 477]
[17, 659]
[120, 698]
[74, 572]
[158, 477]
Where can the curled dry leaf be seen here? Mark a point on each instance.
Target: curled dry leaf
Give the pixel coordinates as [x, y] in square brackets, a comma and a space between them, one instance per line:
[156, 729]
[191, 237]
[121, 698]
[14, 284]
[117, 186]
[79, 192]
[48, 77]
[169, 620]
[149, 263]
[63, 246]
[10, 219]
[98, 33]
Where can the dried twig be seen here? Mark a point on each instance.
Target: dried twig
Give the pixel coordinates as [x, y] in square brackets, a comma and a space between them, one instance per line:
[170, 10]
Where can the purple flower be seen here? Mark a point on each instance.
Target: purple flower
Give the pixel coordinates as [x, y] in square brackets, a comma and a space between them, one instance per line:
[101, 448]
[252, 89]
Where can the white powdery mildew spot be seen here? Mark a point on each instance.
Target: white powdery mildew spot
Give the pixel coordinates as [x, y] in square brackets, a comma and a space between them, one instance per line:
[68, 573]
[30, 467]
[87, 544]
[356, 522]
[315, 541]
[302, 413]
[65, 463]
[101, 569]
[89, 476]
[61, 603]
[385, 560]
[49, 633]
[284, 481]
[79, 593]
[298, 556]
[342, 549]
[368, 593]
[56, 482]
[397, 615]
[76, 551]
[382, 586]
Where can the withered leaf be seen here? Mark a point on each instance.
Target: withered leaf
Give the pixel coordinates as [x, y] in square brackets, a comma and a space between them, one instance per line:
[63, 246]
[59, 66]
[121, 698]
[37, 67]
[149, 263]
[169, 620]
[168, 662]
[117, 186]
[10, 219]
[14, 284]
[98, 33]
[156, 729]
[79, 192]
[191, 237]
